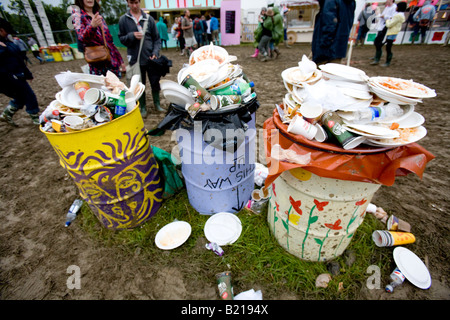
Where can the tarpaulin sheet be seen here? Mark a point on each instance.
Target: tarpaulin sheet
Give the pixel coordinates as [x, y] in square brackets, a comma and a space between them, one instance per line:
[328, 160]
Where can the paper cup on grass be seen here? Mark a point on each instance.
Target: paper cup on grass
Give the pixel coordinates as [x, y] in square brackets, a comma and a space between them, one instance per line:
[389, 238]
[73, 123]
[300, 126]
[396, 224]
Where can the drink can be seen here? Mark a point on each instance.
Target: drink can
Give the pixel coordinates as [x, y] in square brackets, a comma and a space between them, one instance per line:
[221, 101]
[224, 285]
[195, 88]
[334, 125]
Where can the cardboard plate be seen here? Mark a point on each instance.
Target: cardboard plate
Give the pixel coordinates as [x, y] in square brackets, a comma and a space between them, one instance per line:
[223, 228]
[412, 267]
[173, 235]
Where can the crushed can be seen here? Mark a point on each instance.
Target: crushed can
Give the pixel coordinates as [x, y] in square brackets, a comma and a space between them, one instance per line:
[224, 285]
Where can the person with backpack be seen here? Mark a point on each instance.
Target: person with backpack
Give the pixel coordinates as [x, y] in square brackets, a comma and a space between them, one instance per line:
[198, 31]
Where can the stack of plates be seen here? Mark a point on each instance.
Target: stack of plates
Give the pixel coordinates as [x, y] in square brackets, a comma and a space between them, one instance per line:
[176, 93]
[340, 72]
[295, 77]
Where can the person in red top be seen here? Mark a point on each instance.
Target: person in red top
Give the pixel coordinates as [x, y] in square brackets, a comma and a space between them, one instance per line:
[88, 21]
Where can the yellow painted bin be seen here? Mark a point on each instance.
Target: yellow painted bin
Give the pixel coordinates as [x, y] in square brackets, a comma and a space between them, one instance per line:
[114, 168]
[314, 218]
[56, 53]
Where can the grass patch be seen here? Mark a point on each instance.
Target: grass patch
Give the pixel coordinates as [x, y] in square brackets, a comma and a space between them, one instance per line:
[255, 259]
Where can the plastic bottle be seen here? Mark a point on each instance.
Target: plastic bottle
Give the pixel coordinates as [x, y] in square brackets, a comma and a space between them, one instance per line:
[73, 211]
[386, 112]
[239, 87]
[397, 279]
[121, 106]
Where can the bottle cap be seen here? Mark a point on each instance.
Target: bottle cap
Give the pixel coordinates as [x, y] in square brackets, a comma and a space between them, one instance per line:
[251, 84]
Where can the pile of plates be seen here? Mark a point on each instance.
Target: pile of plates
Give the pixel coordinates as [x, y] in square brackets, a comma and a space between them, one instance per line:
[399, 91]
[211, 67]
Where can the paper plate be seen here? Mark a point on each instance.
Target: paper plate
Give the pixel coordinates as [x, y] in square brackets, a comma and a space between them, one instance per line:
[177, 97]
[69, 97]
[294, 76]
[172, 85]
[391, 96]
[65, 110]
[140, 91]
[415, 119]
[202, 71]
[404, 87]
[358, 94]
[420, 133]
[173, 235]
[412, 267]
[343, 71]
[223, 228]
[372, 131]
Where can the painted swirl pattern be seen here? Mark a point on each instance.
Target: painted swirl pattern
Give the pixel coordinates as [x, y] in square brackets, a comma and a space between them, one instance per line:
[120, 183]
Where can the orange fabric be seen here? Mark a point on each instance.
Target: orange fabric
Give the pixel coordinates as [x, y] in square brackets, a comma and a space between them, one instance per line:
[368, 164]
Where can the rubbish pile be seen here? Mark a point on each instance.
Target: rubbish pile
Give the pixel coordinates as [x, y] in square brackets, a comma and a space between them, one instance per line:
[87, 101]
[341, 104]
[209, 82]
[408, 264]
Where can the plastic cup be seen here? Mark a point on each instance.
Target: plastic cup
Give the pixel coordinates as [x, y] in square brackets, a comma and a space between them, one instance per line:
[73, 123]
[300, 126]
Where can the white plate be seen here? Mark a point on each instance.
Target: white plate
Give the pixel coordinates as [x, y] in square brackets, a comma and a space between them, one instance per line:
[172, 85]
[373, 130]
[421, 132]
[343, 71]
[349, 84]
[140, 92]
[202, 71]
[177, 97]
[412, 267]
[292, 76]
[358, 94]
[173, 235]
[70, 98]
[63, 109]
[407, 88]
[375, 134]
[390, 96]
[223, 228]
[357, 104]
[415, 119]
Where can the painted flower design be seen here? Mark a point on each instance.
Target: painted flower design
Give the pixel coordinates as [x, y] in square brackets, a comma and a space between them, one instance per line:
[273, 189]
[320, 205]
[334, 226]
[296, 205]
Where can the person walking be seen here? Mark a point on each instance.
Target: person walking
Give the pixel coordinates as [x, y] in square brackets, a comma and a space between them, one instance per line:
[258, 31]
[187, 27]
[23, 49]
[198, 31]
[90, 28]
[13, 79]
[388, 12]
[214, 25]
[363, 19]
[266, 35]
[35, 49]
[331, 30]
[205, 30]
[162, 30]
[424, 16]
[131, 32]
[394, 25]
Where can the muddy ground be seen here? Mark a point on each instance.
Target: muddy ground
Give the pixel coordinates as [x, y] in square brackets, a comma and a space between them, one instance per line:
[35, 192]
